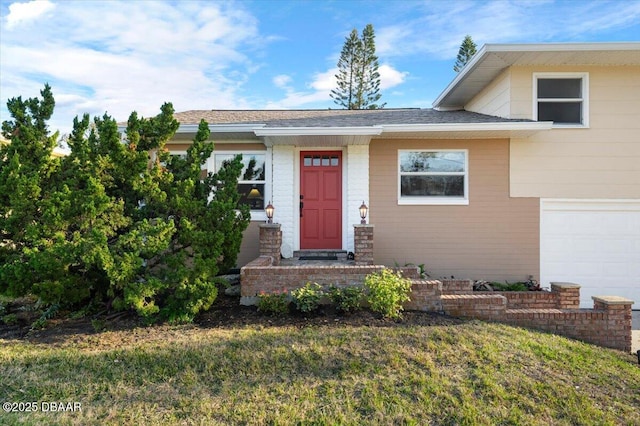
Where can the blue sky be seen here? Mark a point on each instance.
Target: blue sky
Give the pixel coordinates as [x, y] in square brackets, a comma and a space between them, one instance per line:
[121, 56]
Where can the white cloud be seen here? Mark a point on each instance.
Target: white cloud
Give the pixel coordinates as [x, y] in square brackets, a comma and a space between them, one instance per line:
[129, 56]
[25, 12]
[325, 81]
[282, 81]
[390, 77]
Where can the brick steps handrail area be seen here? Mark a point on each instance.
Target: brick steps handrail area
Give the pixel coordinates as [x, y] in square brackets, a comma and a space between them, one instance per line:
[557, 311]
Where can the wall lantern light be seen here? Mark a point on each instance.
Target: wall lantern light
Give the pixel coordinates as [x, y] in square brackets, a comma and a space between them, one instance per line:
[363, 213]
[269, 210]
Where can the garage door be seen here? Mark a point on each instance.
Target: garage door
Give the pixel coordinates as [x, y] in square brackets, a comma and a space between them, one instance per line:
[592, 243]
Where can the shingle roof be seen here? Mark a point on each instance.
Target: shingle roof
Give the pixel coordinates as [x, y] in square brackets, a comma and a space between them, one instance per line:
[336, 118]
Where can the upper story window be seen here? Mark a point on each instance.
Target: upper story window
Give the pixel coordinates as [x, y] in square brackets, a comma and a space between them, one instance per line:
[433, 177]
[251, 184]
[561, 98]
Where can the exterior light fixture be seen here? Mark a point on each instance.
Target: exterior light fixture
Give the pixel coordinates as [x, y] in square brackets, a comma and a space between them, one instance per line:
[269, 210]
[363, 213]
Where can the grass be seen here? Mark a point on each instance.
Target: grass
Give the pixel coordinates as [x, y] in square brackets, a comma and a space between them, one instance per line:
[469, 374]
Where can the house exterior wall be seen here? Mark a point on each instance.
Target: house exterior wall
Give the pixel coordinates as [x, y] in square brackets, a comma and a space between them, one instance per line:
[357, 178]
[598, 162]
[283, 192]
[495, 237]
[250, 247]
[495, 98]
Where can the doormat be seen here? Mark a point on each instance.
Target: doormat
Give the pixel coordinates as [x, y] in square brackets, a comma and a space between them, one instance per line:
[318, 258]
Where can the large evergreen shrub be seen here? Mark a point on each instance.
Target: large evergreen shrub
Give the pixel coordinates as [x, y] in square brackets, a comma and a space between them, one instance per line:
[117, 221]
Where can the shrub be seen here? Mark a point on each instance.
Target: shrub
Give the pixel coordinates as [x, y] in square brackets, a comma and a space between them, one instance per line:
[347, 299]
[386, 292]
[519, 286]
[10, 319]
[119, 220]
[274, 304]
[307, 298]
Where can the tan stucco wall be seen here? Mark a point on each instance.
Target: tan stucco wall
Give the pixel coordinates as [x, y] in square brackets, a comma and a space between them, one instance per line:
[601, 161]
[494, 99]
[495, 237]
[250, 247]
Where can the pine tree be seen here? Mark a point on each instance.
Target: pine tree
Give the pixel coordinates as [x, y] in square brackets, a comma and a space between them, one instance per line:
[345, 93]
[369, 81]
[466, 51]
[358, 78]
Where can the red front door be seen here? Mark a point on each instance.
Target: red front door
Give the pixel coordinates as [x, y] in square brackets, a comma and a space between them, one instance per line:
[321, 200]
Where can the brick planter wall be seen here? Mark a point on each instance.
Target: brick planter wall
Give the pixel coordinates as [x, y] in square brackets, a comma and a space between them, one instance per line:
[608, 324]
[457, 286]
[425, 296]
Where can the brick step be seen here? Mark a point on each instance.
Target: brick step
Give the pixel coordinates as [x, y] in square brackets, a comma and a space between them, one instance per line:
[320, 254]
[529, 311]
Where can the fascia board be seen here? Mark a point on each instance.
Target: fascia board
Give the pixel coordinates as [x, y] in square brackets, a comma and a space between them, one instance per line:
[469, 66]
[319, 131]
[221, 128]
[467, 127]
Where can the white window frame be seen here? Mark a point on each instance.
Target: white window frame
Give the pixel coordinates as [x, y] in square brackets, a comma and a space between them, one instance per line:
[431, 200]
[584, 100]
[256, 215]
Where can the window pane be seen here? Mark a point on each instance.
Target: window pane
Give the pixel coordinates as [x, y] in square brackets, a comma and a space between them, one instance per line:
[334, 161]
[432, 161]
[307, 160]
[253, 165]
[316, 161]
[252, 194]
[434, 186]
[559, 88]
[325, 160]
[560, 112]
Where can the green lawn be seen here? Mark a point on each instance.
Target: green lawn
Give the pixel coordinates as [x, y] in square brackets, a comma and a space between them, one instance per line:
[473, 373]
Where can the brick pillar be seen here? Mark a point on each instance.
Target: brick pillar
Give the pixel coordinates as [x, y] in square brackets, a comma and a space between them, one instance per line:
[363, 244]
[568, 295]
[271, 241]
[617, 317]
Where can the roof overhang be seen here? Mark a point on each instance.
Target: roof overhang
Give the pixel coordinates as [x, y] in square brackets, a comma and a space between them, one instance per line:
[492, 59]
[467, 131]
[344, 136]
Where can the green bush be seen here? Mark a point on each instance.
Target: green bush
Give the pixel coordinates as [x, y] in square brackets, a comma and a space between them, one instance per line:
[509, 286]
[10, 319]
[119, 221]
[307, 298]
[386, 291]
[347, 299]
[276, 304]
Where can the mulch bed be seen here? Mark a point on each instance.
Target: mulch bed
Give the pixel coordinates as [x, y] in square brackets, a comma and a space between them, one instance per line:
[225, 313]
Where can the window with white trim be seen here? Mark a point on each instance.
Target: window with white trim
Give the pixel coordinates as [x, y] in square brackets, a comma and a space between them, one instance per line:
[433, 177]
[251, 184]
[561, 98]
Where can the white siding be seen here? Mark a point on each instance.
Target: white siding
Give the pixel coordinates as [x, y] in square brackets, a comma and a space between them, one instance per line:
[283, 194]
[357, 178]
